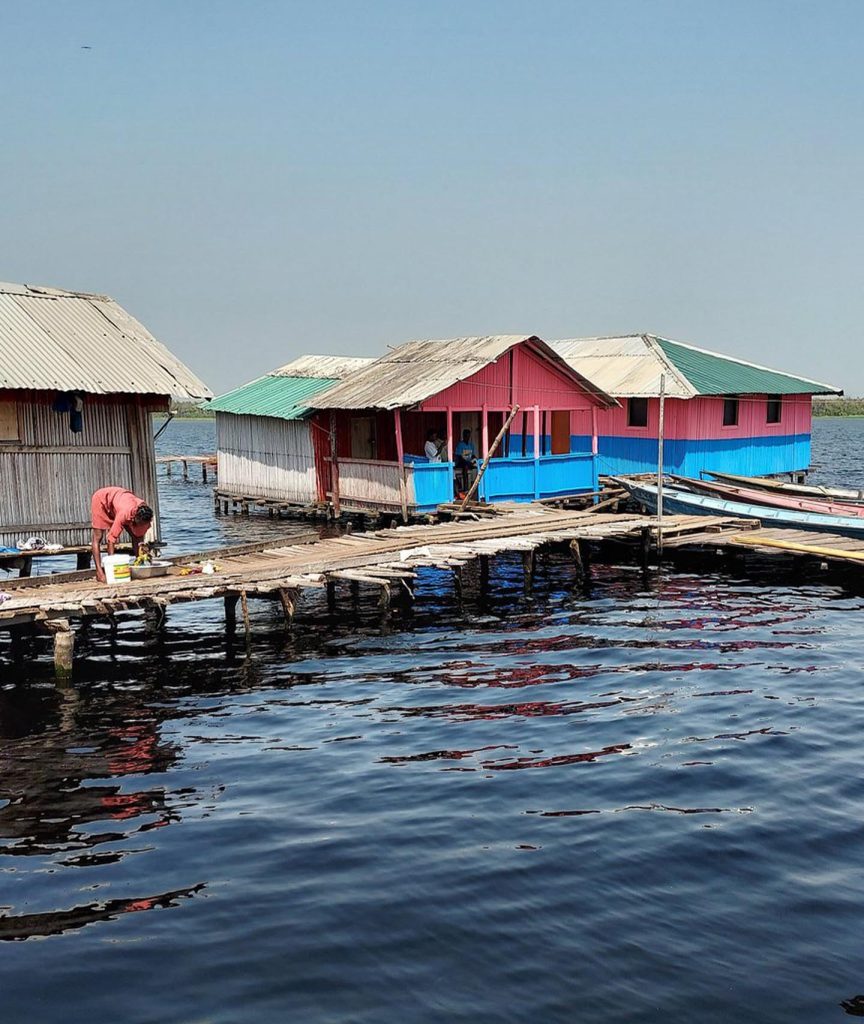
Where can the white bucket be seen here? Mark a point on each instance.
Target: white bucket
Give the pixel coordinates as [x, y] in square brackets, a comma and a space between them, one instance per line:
[116, 568]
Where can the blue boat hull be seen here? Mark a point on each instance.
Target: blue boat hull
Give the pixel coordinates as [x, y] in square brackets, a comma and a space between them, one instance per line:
[680, 502]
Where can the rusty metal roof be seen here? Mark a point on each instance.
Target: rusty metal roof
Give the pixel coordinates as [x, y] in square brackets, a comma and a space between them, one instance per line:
[333, 367]
[417, 370]
[631, 367]
[56, 340]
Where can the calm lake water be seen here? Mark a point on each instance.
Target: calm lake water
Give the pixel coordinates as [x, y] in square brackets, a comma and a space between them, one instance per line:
[640, 802]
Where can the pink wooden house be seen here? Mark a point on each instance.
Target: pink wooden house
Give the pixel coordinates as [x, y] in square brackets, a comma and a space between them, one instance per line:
[720, 413]
[369, 430]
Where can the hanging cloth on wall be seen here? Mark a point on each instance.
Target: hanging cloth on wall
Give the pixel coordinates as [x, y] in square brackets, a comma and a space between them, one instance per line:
[73, 403]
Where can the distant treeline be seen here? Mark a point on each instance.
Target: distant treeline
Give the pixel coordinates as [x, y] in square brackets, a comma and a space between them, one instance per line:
[838, 406]
[192, 412]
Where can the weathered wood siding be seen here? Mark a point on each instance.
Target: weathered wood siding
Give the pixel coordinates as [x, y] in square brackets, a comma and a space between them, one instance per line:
[366, 483]
[263, 456]
[48, 474]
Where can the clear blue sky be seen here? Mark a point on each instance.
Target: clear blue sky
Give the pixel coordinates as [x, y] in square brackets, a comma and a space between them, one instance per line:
[256, 180]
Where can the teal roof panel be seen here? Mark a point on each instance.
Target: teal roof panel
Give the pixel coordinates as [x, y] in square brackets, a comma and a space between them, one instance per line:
[282, 397]
[712, 374]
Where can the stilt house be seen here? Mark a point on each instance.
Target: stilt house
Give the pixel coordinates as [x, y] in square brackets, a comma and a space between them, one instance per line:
[369, 431]
[720, 413]
[264, 431]
[79, 381]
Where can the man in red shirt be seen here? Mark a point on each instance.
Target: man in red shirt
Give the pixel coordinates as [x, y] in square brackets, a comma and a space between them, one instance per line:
[113, 510]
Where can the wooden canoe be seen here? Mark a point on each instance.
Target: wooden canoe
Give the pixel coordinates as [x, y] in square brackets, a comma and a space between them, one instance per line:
[776, 499]
[845, 494]
[677, 500]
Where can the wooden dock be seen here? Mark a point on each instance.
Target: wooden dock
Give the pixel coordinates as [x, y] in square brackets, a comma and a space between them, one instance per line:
[386, 559]
[389, 560]
[208, 464]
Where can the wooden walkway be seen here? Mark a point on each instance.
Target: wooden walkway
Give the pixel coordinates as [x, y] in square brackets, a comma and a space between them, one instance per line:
[385, 559]
[826, 547]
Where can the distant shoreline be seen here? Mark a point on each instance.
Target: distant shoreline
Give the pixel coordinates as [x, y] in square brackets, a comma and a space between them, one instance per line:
[847, 407]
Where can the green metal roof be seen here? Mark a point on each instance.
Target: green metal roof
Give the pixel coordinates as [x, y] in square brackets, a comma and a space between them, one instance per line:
[712, 374]
[279, 396]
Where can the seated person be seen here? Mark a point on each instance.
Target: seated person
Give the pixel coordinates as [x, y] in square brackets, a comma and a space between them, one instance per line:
[113, 510]
[465, 457]
[434, 446]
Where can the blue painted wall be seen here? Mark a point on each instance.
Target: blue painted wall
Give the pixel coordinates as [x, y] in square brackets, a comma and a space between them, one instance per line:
[746, 456]
[433, 484]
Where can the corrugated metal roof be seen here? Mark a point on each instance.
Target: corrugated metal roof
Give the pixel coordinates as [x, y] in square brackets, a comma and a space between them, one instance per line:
[335, 367]
[625, 367]
[631, 366]
[55, 340]
[283, 392]
[273, 395]
[417, 370]
[713, 374]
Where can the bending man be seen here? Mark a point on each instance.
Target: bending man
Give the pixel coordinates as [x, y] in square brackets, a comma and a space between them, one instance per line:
[113, 510]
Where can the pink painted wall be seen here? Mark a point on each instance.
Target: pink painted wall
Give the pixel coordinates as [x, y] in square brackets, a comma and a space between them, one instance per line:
[535, 382]
[702, 418]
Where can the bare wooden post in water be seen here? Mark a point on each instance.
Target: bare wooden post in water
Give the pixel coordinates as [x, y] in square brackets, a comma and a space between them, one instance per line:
[289, 604]
[64, 647]
[231, 612]
[528, 564]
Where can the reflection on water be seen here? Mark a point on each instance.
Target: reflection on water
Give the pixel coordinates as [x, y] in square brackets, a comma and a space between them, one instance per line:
[636, 800]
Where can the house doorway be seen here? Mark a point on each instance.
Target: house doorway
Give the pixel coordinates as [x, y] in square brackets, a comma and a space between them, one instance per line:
[364, 439]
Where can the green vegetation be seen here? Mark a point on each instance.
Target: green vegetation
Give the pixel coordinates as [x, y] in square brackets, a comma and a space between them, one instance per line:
[838, 406]
[192, 412]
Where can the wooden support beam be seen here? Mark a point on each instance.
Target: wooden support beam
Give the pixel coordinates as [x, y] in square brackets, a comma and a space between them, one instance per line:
[644, 546]
[64, 647]
[576, 552]
[244, 605]
[231, 612]
[528, 565]
[331, 597]
[289, 604]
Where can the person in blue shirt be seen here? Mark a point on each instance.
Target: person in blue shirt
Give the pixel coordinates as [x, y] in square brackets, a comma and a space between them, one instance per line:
[465, 457]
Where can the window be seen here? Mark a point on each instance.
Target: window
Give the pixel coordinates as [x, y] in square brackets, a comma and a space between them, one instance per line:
[774, 409]
[730, 412]
[9, 422]
[637, 412]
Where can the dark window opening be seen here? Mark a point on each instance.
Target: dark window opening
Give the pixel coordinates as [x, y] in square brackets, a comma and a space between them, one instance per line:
[730, 412]
[774, 409]
[637, 412]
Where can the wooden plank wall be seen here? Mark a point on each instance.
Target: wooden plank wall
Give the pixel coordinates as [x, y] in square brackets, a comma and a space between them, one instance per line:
[48, 474]
[263, 456]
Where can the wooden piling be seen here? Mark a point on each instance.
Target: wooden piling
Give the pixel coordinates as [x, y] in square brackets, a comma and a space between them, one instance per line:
[528, 565]
[576, 552]
[244, 605]
[231, 612]
[289, 604]
[644, 546]
[64, 647]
